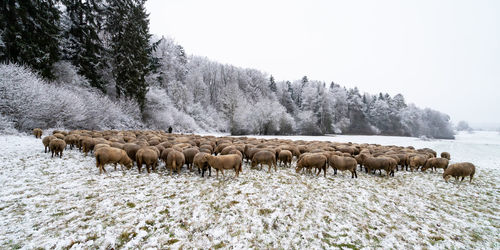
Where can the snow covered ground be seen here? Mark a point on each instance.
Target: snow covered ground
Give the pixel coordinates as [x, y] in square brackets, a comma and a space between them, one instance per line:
[61, 203]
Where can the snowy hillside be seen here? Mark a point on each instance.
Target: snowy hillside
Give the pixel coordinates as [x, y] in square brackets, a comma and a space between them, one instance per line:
[60, 203]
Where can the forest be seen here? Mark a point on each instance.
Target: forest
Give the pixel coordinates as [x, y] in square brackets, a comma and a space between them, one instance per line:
[95, 65]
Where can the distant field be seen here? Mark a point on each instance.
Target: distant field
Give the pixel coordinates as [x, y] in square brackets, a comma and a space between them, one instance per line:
[61, 203]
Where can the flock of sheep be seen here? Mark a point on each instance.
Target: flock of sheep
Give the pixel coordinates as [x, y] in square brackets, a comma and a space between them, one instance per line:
[223, 153]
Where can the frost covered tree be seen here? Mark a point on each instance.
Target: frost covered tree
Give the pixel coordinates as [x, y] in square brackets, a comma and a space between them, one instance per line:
[82, 22]
[30, 34]
[127, 25]
[463, 126]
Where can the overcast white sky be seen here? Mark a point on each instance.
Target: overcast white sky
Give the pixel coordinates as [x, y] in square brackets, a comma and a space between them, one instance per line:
[439, 54]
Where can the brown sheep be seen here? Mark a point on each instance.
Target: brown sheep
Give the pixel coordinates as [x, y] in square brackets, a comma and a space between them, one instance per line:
[250, 153]
[37, 132]
[264, 157]
[71, 140]
[445, 155]
[417, 161]
[201, 163]
[380, 163]
[57, 146]
[108, 155]
[59, 136]
[435, 163]
[286, 157]
[147, 156]
[131, 150]
[46, 141]
[189, 154]
[343, 163]
[175, 161]
[98, 146]
[309, 161]
[235, 152]
[88, 145]
[222, 162]
[461, 169]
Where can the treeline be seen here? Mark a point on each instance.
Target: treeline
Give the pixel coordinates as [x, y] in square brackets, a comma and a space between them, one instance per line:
[105, 46]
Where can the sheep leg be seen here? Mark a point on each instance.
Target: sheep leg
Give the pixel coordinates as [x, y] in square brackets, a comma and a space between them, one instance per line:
[209, 170]
[471, 178]
[115, 166]
[60, 154]
[52, 154]
[463, 177]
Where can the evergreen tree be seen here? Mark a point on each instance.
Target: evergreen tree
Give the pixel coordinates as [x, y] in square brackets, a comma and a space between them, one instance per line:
[272, 84]
[83, 46]
[30, 33]
[128, 28]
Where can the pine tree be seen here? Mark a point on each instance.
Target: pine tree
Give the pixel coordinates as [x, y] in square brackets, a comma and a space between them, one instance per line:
[272, 84]
[30, 34]
[83, 46]
[128, 28]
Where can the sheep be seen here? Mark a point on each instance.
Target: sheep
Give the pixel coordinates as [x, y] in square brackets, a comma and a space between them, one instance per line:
[359, 159]
[461, 169]
[131, 150]
[98, 146]
[57, 146]
[88, 145]
[71, 140]
[343, 163]
[286, 157]
[147, 156]
[37, 132]
[236, 152]
[189, 154]
[264, 157]
[106, 155]
[200, 162]
[381, 163]
[46, 141]
[445, 155]
[309, 161]
[222, 162]
[175, 161]
[417, 161]
[435, 163]
[250, 152]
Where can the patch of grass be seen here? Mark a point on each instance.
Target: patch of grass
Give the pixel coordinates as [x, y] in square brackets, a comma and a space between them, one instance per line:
[475, 237]
[435, 239]
[150, 222]
[327, 219]
[171, 196]
[165, 211]
[232, 203]
[344, 245]
[130, 204]
[219, 245]
[125, 236]
[92, 237]
[58, 214]
[172, 241]
[265, 211]
[90, 196]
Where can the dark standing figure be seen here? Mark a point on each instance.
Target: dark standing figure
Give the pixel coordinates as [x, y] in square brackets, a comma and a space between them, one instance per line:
[170, 130]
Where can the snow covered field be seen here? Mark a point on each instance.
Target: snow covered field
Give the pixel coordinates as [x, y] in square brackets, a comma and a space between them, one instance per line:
[61, 203]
